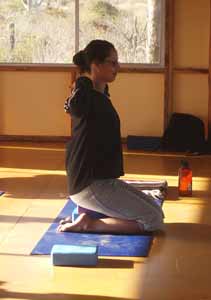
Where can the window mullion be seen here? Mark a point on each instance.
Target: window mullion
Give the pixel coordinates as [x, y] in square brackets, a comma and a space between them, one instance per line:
[76, 25]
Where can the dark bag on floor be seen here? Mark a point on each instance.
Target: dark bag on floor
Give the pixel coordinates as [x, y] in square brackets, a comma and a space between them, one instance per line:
[184, 133]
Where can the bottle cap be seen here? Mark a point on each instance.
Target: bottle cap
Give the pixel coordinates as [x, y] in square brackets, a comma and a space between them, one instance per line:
[184, 163]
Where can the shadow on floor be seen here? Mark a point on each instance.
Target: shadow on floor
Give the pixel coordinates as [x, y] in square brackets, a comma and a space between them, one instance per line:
[35, 187]
[6, 294]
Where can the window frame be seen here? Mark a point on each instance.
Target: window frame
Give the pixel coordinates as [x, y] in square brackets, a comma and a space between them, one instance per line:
[127, 67]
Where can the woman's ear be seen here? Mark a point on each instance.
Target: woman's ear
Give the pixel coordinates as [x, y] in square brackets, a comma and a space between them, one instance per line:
[95, 68]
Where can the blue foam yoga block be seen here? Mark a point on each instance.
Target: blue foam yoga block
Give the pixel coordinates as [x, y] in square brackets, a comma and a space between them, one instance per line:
[93, 214]
[75, 214]
[71, 255]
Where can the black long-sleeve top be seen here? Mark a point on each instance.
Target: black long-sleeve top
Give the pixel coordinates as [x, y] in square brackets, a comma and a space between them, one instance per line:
[94, 150]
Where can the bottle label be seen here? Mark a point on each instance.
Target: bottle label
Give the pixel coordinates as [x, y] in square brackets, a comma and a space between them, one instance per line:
[185, 182]
[189, 187]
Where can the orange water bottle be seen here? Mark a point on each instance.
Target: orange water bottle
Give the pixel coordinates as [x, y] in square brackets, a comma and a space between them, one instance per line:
[185, 179]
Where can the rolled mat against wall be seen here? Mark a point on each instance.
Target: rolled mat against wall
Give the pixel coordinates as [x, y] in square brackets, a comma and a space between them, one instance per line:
[150, 143]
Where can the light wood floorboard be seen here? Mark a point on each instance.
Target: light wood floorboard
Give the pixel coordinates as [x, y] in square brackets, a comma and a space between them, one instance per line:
[179, 264]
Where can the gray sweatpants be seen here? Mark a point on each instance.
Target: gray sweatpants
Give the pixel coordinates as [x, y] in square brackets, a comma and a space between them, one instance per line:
[118, 199]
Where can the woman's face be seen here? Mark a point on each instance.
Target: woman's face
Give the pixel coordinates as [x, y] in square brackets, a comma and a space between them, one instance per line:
[107, 70]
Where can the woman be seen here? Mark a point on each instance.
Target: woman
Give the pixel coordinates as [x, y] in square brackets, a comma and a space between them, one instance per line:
[94, 154]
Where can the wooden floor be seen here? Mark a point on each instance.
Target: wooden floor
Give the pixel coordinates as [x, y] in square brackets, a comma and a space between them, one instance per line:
[179, 264]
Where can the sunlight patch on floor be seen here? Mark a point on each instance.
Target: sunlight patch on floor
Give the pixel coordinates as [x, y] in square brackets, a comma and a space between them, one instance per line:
[33, 148]
[31, 171]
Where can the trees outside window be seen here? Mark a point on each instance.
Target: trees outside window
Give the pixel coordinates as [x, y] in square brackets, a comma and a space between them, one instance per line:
[44, 32]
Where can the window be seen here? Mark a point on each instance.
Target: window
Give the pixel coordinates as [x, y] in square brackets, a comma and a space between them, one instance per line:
[49, 32]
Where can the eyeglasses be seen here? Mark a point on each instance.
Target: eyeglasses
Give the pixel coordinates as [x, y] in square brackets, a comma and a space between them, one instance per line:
[114, 63]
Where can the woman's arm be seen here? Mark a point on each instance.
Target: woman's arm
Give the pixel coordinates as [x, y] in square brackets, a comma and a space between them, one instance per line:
[78, 102]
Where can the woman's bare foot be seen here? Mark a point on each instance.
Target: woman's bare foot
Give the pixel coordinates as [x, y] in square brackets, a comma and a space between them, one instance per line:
[81, 224]
[84, 223]
[66, 220]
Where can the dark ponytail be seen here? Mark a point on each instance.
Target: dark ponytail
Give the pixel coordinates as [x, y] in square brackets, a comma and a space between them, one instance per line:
[80, 60]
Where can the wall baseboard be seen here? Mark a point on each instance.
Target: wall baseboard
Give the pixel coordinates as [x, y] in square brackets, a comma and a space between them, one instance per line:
[39, 138]
[33, 138]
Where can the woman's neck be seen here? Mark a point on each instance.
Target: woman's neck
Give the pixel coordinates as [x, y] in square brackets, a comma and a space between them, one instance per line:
[99, 85]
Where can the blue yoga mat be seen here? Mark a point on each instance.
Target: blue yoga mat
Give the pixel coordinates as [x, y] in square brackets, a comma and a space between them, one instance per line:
[108, 244]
